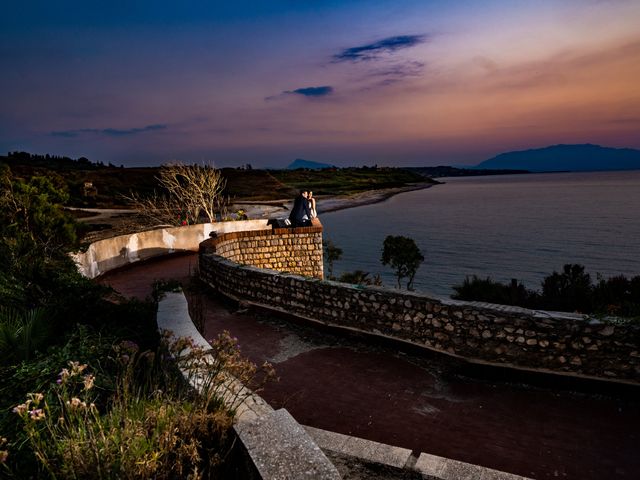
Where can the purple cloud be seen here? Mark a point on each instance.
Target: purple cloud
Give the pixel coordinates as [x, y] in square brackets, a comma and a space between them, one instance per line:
[111, 132]
[312, 91]
[372, 51]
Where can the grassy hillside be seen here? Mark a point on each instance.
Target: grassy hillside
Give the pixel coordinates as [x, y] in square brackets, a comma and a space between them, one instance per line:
[112, 182]
[347, 180]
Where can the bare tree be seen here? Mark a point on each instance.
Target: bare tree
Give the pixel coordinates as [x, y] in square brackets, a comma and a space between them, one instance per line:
[192, 190]
[198, 188]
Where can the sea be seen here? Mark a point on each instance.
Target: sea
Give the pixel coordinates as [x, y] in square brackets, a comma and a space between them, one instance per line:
[505, 227]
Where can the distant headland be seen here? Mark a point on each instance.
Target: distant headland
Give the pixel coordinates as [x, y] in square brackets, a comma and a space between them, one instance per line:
[557, 158]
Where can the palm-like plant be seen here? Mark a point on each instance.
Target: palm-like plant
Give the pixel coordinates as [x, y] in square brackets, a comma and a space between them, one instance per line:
[22, 333]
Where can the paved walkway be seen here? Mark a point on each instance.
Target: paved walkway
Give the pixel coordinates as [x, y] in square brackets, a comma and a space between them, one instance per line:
[420, 402]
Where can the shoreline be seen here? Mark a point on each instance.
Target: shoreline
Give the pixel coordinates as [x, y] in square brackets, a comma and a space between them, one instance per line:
[327, 204]
[119, 221]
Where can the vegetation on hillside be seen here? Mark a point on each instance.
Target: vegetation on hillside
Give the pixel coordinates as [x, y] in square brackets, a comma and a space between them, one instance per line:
[111, 184]
[87, 388]
[334, 181]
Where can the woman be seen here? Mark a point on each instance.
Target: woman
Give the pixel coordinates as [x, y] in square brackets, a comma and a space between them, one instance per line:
[312, 204]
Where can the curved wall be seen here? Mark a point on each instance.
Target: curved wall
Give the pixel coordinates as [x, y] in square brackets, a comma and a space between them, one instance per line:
[484, 333]
[292, 250]
[105, 255]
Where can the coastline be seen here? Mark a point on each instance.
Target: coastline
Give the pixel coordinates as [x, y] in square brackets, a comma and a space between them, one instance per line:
[119, 221]
[327, 203]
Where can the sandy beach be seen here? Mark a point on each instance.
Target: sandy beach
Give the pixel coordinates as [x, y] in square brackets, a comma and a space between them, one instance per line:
[281, 208]
[114, 222]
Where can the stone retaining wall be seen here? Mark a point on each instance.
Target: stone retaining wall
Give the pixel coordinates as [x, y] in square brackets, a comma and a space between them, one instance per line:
[116, 252]
[494, 334]
[293, 250]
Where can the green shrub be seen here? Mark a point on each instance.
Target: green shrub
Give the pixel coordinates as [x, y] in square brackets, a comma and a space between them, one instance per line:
[153, 426]
[22, 333]
[569, 290]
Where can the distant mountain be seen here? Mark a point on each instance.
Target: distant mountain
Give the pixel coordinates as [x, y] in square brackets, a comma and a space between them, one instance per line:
[575, 158]
[301, 163]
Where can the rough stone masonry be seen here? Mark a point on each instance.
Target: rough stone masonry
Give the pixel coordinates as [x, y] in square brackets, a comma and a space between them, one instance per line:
[288, 279]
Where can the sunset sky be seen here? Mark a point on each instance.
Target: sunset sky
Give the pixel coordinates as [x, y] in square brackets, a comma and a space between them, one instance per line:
[343, 82]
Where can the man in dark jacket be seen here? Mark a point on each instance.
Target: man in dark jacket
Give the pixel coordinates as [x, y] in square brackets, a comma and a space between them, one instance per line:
[300, 215]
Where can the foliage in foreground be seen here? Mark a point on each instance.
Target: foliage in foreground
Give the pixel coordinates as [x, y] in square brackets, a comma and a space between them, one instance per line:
[154, 425]
[113, 412]
[571, 290]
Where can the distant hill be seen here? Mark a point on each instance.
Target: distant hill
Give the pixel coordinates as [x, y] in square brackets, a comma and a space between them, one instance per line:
[574, 158]
[302, 163]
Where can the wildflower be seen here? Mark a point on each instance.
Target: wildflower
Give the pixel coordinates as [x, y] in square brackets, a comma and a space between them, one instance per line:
[37, 414]
[77, 368]
[36, 397]
[88, 381]
[63, 376]
[74, 403]
[22, 408]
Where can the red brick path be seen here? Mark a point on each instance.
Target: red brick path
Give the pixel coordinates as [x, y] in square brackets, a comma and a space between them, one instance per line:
[418, 402]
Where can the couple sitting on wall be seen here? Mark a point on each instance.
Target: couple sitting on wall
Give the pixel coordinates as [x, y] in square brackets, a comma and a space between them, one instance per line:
[303, 210]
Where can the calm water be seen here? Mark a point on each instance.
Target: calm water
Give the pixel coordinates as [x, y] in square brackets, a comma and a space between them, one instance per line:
[516, 226]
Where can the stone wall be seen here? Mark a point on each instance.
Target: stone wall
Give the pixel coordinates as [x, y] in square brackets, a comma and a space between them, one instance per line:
[485, 333]
[293, 250]
[116, 252]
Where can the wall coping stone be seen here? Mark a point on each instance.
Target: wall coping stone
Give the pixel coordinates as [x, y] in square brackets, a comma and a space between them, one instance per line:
[432, 466]
[277, 445]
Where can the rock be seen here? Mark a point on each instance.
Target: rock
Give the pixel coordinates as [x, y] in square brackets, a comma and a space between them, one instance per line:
[543, 343]
[576, 361]
[396, 327]
[561, 359]
[449, 328]
[520, 340]
[487, 334]
[607, 331]
[532, 341]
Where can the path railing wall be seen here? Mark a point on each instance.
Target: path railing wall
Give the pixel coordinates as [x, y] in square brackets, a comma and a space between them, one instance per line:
[292, 250]
[116, 252]
[478, 332]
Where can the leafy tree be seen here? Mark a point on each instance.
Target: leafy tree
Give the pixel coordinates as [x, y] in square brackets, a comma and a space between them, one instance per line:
[487, 290]
[403, 255]
[570, 290]
[32, 216]
[332, 253]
